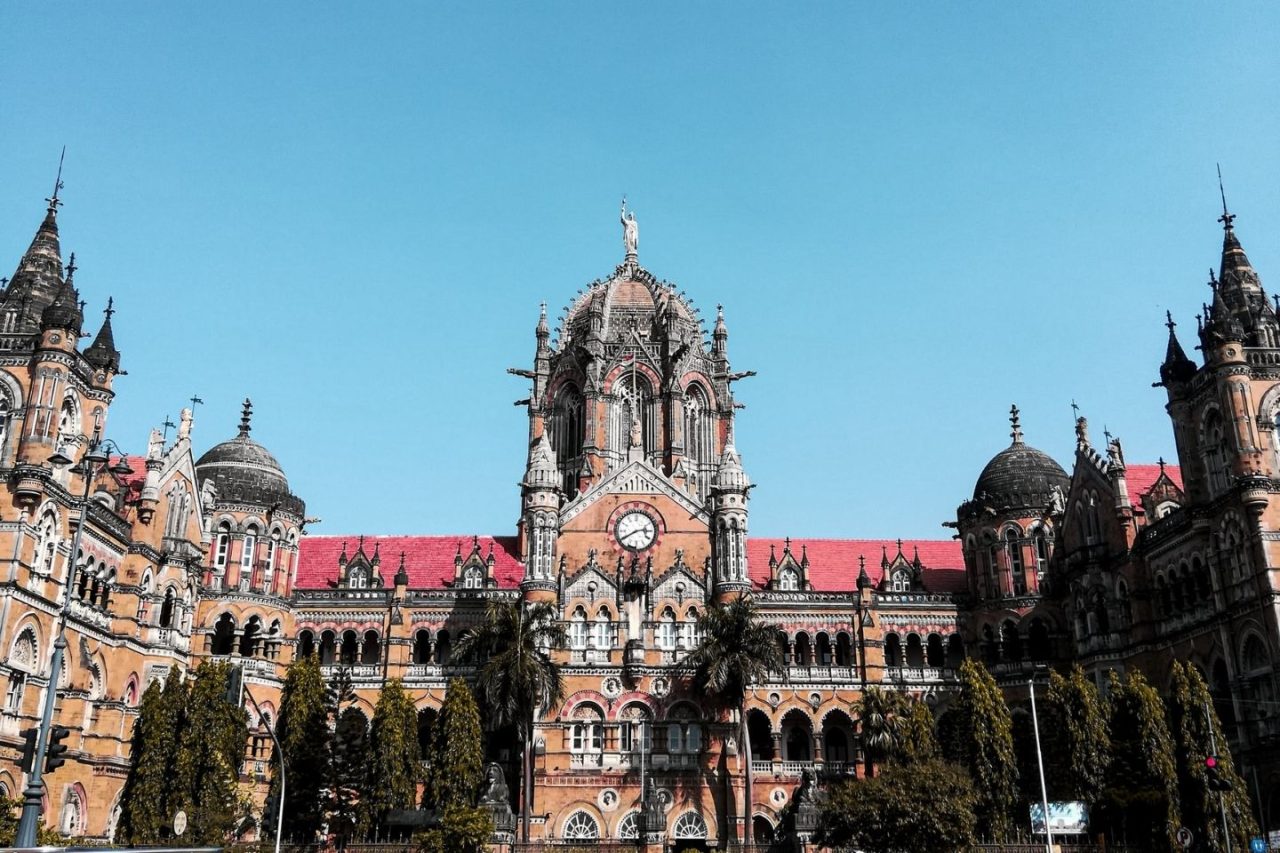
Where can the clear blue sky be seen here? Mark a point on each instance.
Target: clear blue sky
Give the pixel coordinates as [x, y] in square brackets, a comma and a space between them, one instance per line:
[913, 216]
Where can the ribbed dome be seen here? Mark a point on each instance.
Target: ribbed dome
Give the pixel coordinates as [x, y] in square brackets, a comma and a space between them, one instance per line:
[1020, 475]
[243, 471]
[631, 296]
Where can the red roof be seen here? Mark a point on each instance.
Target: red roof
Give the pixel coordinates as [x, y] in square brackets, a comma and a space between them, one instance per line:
[833, 563]
[429, 560]
[1140, 479]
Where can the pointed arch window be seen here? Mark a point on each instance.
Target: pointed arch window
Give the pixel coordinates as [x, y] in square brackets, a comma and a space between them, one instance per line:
[1040, 547]
[602, 630]
[699, 438]
[578, 629]
[627, 405]
[357, 578]
[667, 630]
[788, 579]
[473, 578]
[567, 430]
[1213, 446]
[248, 547]
[1013, 547]
[4, 424]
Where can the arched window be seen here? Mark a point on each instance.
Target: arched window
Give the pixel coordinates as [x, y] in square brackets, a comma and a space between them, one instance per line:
[804, 650]
[84, 579]
[892, 650]
[1013, 548]
[602, 630]
[689, 825]
[636, 733]
[357, 578]
[46, 544]
[166, 609]
[629, 826]
[684, 731]
[690, 636]
[370, 650]
[628, 405]
[578, 629]
[4, 425]
[1093, 531]
[1213, 447]
[443, 648]
[222, 546]
[328, 648]
[269, 564]
[1123, 606]
[249, 639]
[581, 827]
[915, 650]
[667, 630]
[72, 822]
[788, 579]
[1040, 545]
[699, 438]
[990, 565]
[422, 647]
[247, 550]
[68, 425]
[473, 578]
[934, 655]
[306, 644]
[1011, 641]
[566, 430]
[1038, 640]
[224, 632]
[350, 650]
[587, 730]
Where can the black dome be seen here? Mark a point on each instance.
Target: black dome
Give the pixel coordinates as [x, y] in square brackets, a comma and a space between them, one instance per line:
[1020, 475]
[245, 472]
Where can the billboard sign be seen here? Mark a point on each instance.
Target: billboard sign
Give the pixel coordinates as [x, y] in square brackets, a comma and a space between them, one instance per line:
[1064, 818]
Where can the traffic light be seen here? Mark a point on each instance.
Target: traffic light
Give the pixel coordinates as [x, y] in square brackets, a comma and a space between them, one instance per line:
[1213, 778]
[235, 686]
[29, 738]
[54, 755]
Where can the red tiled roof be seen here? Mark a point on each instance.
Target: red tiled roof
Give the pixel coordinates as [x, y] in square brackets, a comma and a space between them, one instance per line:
[833, 563]
[427, 559]
[1140, 479]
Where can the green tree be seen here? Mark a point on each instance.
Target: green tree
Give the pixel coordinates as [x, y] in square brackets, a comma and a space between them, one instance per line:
[348, 756]
[917, 740]
[9, 813]
[1194, 725]
[148, 801]
[394, 765]
[737, 649]
[1075, 724]
[462, 829]
[209, 759]
[1140, 798]
[455, 765]
[923, 805]
[303, 731]
[980, 739]
[879, 714]
[518, 676]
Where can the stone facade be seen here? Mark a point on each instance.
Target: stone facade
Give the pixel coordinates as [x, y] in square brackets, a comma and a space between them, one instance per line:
[635, 507]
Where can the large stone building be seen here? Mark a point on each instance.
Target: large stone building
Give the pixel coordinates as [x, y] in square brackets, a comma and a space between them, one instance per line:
[634, 511]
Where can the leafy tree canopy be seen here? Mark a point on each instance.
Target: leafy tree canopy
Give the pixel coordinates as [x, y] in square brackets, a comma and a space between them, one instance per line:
[394, 764]
[303, 731]
[924, 805]
[1140, 798]
[983, 732]
[456, 763]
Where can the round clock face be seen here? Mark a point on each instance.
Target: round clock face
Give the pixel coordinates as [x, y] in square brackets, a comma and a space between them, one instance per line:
[635, 531]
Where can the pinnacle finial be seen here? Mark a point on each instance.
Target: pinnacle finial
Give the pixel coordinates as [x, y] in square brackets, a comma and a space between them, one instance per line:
[246, 414]
[1016, 433]
[1168, 321]
[71, 267]
[1226, 218]
[57, 184]
[110, 309]
[1161, 464]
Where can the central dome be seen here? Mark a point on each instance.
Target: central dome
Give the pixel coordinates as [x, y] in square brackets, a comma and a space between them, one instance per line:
[632, 295]
[1020, 475]
[243, 471]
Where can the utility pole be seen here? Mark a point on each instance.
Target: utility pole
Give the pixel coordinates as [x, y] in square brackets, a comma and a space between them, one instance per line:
[1222, 795]
[1044, 790]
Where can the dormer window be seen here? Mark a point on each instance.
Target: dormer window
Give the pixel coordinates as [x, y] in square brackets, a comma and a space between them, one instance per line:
[357, 579]
[788, 580]
[473, 578]
[900, 581]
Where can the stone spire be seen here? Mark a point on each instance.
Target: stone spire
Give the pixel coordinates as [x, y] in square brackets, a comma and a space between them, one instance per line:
[246, 414]
[1016, 423]
[719, 335]
[1177, 367]
[65, 312]
[102, 353]
[38, 279]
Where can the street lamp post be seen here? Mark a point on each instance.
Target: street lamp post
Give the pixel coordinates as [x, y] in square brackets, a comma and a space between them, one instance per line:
[95, 460]
[1044, 791]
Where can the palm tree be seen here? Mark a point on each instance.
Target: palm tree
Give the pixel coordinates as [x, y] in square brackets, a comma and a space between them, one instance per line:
[518, 676]
[737, 649]
[879, 712]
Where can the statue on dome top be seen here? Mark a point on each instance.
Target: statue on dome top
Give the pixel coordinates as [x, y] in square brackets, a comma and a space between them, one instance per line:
[630, 230]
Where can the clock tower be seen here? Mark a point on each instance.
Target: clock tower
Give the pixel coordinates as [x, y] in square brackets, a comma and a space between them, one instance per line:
[631, 469]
